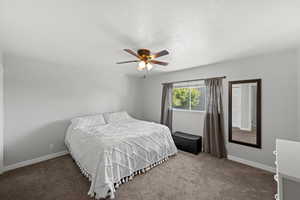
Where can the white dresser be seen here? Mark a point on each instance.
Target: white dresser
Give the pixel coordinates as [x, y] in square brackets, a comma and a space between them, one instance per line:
[287, 170]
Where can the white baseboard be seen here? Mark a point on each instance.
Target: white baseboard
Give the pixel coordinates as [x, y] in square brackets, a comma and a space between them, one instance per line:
[34, 161]
[252, 163]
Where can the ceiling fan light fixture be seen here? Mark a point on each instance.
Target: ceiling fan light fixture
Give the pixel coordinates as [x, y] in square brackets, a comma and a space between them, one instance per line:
[140, 69]
[149, 66]
[141, 66]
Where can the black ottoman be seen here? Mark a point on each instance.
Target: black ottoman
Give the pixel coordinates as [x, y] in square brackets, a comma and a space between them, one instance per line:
[187, 142]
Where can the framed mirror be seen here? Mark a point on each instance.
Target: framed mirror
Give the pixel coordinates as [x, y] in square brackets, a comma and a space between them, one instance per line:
[245, 112]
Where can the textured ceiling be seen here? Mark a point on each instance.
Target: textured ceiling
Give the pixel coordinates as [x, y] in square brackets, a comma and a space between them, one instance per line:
[92, 33]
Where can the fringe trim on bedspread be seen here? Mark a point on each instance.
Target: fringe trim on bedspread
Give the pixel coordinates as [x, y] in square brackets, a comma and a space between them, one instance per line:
[120, 182]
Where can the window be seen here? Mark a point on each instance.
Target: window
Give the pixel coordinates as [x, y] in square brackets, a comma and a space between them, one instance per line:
[189, 98]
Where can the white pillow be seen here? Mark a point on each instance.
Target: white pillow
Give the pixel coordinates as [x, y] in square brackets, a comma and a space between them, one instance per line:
[88, 121]
[116, 117]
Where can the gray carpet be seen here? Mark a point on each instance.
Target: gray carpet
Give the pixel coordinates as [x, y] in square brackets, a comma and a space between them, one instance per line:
[184, 176]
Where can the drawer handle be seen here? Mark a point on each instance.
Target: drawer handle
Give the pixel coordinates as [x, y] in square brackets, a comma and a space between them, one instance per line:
[276, 178]
[276, 196]
[275, 153]
[276, 163]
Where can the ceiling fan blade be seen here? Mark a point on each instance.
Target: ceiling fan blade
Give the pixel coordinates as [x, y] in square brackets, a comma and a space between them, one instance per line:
[159, 62]
[159, 54]
[132, 53]
[131, 61]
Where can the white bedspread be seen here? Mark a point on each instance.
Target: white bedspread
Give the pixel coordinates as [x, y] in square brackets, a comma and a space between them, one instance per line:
[113, 153]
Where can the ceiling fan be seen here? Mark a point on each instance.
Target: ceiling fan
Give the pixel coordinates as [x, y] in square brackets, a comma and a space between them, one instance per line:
[145, 58]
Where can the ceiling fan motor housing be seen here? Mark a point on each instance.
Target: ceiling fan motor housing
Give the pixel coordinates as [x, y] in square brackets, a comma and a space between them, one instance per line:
[144, 53]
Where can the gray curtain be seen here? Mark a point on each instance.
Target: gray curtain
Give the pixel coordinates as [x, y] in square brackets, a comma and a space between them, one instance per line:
[213, 133]
[166, 116]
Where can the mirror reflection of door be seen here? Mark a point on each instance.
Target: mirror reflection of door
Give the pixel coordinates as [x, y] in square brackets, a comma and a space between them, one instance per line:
[243, 96]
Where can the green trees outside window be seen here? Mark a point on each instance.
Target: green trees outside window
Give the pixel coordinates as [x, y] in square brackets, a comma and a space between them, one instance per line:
[189, 98]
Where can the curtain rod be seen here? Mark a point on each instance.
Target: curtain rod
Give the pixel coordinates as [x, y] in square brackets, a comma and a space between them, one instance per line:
[200, 79]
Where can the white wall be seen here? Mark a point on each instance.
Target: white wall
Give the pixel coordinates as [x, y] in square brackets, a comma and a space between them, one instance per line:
[1, 114]
[40, 98]
[278, 72]
[186, 122]
[298, 91]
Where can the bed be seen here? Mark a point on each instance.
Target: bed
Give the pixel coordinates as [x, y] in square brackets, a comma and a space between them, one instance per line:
[111, 149]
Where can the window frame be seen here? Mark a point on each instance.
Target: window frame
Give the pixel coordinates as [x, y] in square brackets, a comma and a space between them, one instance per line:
[190, 105]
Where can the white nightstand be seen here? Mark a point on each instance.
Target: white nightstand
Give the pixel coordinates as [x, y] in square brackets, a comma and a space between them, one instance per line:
[287, 169]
